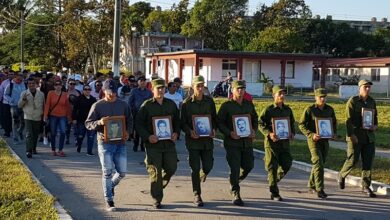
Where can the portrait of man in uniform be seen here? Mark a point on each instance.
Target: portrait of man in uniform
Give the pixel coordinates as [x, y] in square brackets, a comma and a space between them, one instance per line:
[113, 129]
[367, 115]
[242, 125]
[324, 127]
[202, 125]
[281, 128]
[162, 128]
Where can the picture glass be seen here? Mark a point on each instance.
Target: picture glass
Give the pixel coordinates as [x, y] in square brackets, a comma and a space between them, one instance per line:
[242, 125]
[114, 129]
[282, 128]
[162, 127]
[202, 125]
[324, 127]
[368, 118]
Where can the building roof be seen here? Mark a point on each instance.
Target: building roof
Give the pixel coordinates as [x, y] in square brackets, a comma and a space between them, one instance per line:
[358, 62]
[238, 54]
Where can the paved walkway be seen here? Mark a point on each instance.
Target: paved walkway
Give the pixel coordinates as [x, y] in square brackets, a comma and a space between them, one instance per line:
[343, 145]
[75, 181]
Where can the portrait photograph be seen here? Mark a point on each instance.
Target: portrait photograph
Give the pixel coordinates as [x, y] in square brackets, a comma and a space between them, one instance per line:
[202, 125]
[324, 127]
[242, 125]
[162, 127]
[114, 129]
[367, 118]
[281, 127]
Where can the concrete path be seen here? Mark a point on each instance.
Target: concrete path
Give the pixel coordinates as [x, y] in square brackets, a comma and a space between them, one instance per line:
[75, 181]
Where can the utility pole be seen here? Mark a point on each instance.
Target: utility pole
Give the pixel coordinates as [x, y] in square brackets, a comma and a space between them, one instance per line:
[21, 39]
[116, 40]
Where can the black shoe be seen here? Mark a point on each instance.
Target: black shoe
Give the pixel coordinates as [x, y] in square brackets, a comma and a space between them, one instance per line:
[110, 206]
[238, 201]
[157, 205]
[341, 182]
[276, 197]
[34, 152]
[198, 201]
[29, 155]
[322, 195]
[369, 192]
[78, 149]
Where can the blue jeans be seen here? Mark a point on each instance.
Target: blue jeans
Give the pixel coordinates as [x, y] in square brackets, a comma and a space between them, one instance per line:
[112, 157]
[57, 124]
[81, 130]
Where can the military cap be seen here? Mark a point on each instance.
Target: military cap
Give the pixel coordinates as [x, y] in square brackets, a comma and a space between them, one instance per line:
[364, 82]
[158, 83]
[321, 92]
[276, 89]
[198, 80]
[236, 84]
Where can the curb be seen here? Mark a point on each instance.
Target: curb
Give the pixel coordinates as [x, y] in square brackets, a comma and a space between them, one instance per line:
[62, 213]
[378, 187]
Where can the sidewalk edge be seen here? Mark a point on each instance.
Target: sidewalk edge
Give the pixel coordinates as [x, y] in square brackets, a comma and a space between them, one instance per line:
[378, 187]
[62, 213]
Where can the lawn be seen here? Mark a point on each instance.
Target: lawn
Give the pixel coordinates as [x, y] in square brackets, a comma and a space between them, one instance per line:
[339, 106]
[20, 196]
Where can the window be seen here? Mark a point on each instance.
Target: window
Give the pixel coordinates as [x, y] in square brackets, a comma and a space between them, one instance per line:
[290, 69]
[327, 75]
[229, 66]
[366, 28]
[316, 74]
[335, 74]
[375, 74]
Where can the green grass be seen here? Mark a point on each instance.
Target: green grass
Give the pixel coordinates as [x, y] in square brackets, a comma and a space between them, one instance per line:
[20, 196]
[339, 106]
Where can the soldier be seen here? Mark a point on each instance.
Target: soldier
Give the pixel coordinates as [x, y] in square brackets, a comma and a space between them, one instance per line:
[318, 146]
[278, 157]
[161, 157]
[360, 141]
[200, 149]
[239, 150]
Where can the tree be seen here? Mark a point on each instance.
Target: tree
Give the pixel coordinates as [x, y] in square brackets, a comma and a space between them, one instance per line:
[211, 20]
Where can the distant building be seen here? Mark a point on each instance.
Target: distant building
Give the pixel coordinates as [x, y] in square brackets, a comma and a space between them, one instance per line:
[366, 27]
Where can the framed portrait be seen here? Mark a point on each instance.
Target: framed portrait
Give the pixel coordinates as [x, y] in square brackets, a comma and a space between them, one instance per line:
[114, 129]
[367, 118]
[242, 125]
[202, 125]
[162, 127]
[324, 127]
[281, 127]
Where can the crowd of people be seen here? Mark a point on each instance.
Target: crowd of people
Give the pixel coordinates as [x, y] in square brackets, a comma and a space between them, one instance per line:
[153, 114]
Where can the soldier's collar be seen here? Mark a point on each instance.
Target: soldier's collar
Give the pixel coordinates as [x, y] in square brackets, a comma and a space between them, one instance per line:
[276, 105]
[193, 99]
[155, 100]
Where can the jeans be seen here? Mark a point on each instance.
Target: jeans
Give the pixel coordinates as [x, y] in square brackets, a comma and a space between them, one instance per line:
[17, 121]
[57, 124]
[112, 157]
[81, 130]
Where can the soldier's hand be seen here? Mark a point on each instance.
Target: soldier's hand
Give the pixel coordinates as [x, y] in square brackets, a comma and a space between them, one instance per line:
[273, 137]
[126, 136]
[316, 137]
[194, 135]
[354, 139]
[102, 121]
[234, 135]
[174, 136]
[213, 134]
[153, 139]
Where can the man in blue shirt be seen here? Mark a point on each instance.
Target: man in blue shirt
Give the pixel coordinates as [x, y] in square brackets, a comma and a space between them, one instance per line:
[137, 97]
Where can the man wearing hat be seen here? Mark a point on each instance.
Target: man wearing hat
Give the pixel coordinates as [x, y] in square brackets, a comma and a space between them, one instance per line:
[112, 154]
[161, 157]
[137, 96]
[318, 146]
[200, 149]
[360, 141]
[278, 157]
[239, 149]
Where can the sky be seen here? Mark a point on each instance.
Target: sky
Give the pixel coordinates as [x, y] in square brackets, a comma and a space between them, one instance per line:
[339, 9]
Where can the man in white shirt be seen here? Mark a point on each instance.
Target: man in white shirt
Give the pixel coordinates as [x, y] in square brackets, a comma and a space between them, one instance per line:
[173, 95]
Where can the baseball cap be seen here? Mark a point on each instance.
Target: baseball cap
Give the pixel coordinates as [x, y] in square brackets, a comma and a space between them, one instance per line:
[110, 85]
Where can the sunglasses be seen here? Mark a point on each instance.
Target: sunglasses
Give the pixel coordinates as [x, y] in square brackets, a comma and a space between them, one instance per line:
[72, 84]
[98, 85]
[87, 89]
[58, 84]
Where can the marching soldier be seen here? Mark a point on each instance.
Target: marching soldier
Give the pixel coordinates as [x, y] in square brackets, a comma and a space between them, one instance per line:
[200, 149]
[278, 159]
[161, 157]
[239, 149]
[318, 145]
[360, 140]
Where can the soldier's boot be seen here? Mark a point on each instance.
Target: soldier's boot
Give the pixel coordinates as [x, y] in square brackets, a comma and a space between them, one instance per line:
[321, 194]
[237, 200]
[369, 192]
[198, 201]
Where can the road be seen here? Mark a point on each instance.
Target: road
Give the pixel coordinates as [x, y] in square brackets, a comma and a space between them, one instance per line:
[75, 181]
